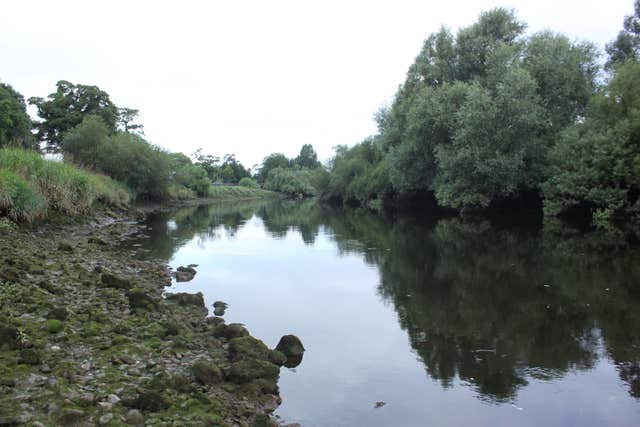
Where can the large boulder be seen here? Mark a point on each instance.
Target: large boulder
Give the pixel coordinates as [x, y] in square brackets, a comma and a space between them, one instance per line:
[140, 299]
[187, 299]
[248, 347]
[290, 346]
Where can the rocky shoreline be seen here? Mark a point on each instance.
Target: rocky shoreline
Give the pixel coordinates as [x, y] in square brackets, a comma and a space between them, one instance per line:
[87, 337]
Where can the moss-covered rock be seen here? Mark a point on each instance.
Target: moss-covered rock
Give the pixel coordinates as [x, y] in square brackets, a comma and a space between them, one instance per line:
[147, 401]
[290, 346]
[187, 299]
[8, 337]
[248, 347]
[245, 371]
[65, 247]
[29, 356]
[58, 313]
[140, 299]
[206, 373]
[112, 281]
[233, 330]
[277, 358]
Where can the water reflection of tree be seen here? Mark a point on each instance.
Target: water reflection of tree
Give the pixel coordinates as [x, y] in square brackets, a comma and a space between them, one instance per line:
[494, 307]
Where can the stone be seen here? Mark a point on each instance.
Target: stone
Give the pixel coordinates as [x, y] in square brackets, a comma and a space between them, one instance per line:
[186, 299]
[147, 400]
[184, 274]
[105, 419]
[29, 356]
[9, 337]
[58, 313]
[277, 358]
[139, 298]
[135, 417]
[290, 346]
[111, 281]
[65, 247]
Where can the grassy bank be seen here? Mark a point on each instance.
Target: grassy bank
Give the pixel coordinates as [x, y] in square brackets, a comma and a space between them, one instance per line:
[31, 187]
[236, 192]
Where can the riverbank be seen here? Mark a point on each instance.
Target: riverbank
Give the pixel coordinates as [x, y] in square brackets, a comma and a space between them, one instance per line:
[87, 338]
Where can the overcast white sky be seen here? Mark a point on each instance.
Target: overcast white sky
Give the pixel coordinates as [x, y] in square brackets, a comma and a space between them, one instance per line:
[252, 77]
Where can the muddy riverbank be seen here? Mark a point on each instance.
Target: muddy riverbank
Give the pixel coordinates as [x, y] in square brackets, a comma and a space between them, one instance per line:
[87, 337]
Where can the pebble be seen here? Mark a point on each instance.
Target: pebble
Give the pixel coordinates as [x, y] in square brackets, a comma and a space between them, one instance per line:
[105, 419]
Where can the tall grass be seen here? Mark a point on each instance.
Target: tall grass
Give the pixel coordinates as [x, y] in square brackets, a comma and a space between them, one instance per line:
[31, 187]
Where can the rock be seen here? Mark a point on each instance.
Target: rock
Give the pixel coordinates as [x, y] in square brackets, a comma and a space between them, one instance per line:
[147, 400]
[9, 337]
[215, 321]
[112, 281]
[184, 274]
[53, 326]
[277, 358]
[97, 241]
[290, 346]
[206, 372]
[58, 313]
[219, 311]
[135, 418]
[71, 416]
[139, 298]
[113, 399]
[233, 330]
[248, 347]
[186, 299]
[105, 419]
[65, 247]
[246, 371]
[29, 356]
[220, 304]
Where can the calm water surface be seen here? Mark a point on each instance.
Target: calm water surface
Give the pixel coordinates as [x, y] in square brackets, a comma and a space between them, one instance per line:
[447, 322]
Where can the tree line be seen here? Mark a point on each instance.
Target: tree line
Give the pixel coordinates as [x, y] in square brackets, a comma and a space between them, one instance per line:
[491, 114]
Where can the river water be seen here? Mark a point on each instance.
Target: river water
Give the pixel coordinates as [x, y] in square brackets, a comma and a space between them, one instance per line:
[418, 321]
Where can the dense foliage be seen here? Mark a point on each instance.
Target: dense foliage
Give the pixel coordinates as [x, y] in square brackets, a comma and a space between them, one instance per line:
[15, 124]
[490, 114]
[299, 177]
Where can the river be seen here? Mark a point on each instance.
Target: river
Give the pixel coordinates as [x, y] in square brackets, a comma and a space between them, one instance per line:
[409, 320]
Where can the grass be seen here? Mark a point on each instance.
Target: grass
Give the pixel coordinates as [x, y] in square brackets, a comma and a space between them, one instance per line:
[31, 187]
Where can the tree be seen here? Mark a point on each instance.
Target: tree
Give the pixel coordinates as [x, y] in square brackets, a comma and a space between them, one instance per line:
[307, 157]
[67, 107]
[15, 124]
[209, 163]
[84, 142]
[272, 161]
[626, 47]
[126, 121]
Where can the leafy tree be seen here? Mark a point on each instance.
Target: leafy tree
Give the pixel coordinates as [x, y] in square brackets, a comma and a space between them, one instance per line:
[272, 161]
[597, 162]
[232, 171]
[294, 183]
[67, 107]
[126, 121]
[249, 183]
[15, 124]
[307, 157]
[209, 163]
[185, 173]
[626, 47]
[84, 142]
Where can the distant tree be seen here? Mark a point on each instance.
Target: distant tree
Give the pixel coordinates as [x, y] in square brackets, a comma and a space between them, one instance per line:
[307, 157]
[209, 163]
[126, 121]
[626, 47]
[272, 161]
[84, 142]
[67, 107]
[15, 124]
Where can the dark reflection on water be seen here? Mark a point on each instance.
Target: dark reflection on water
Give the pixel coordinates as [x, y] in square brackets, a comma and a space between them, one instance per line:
[494, 308]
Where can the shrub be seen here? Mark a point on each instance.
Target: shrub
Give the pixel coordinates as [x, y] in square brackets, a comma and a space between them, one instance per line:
[249, 183]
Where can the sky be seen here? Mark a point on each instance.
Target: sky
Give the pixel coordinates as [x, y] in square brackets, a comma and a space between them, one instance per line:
[253, 77]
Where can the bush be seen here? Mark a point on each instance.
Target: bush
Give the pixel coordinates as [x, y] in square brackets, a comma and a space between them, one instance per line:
[30, 186]
[249, 183]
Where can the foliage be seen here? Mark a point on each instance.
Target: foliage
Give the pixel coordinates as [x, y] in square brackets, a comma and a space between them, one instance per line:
[188, 175]
[31, 186]
[292, 182]
[307, 158]
[475, 119]
[15, 124]
[67, 107]
[230, 171]
[126, 121]
[626, 47]
[249, 183]
[272, 161]
[597, 162]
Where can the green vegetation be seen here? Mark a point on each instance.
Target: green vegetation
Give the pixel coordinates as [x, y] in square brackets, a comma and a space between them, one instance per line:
[15, 124]
[299, 177]
[490, 114]
[31, 186]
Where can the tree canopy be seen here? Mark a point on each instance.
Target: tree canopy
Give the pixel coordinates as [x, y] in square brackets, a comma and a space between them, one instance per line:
[15, 124]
